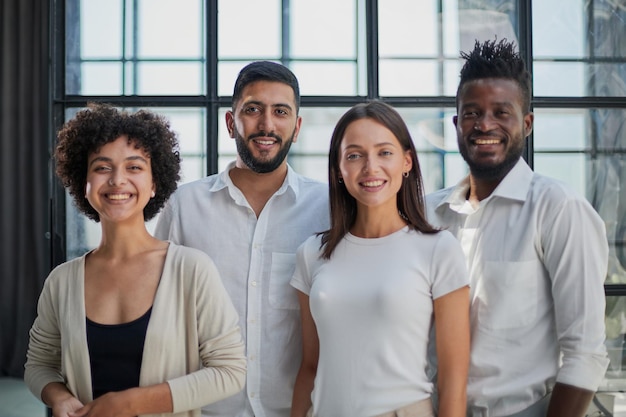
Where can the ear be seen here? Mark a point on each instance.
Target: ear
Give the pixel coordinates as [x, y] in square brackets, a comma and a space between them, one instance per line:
[153, 193]
[230, 123]
[297, 129]
[455, 119]
[529, 119]
[408, 161]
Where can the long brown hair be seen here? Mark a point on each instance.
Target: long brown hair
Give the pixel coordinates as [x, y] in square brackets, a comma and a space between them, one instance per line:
[343, 206]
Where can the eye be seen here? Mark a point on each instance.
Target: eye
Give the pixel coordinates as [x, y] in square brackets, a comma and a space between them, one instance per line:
[101, 168]
[282, 112]
[386, 153]
[470, 114]
[352, 156]
[251, 109]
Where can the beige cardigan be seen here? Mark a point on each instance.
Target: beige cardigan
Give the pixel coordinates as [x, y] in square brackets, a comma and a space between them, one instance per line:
[193, 340]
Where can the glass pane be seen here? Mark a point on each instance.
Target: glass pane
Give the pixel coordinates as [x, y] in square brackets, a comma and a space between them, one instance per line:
[615, 323]
[407, 28]
[168, 78]
[316, 33]
[579, 51]
[565, 79]
[419, 42]
[103, 17]
[170, 29]
[326, 78]
[409, 78]
[571, 125]
[104, 78]
[249, 30]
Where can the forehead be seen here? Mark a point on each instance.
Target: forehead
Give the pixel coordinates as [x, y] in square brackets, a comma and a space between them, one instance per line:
[121, 144]
[268, 92]
[490, 91]
[366, 132]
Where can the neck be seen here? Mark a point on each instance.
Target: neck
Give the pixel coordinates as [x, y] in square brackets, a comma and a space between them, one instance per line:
[126, 240]
[375, 222]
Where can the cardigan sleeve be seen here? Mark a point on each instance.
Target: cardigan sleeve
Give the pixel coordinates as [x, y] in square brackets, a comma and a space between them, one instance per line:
[220, 344]
[43, 358]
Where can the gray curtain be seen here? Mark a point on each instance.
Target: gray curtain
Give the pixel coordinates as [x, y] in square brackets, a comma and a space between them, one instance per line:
[24, 165]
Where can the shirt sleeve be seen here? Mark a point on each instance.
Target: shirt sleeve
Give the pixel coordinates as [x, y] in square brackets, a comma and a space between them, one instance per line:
[448, 267]
[576, 257]
[302, 279]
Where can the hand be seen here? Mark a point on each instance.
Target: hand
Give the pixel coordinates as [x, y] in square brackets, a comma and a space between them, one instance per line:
[66, 407]
[112, 404]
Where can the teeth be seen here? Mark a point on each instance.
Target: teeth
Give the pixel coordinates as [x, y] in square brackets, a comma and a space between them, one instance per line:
[373, 183]
[487, 141]
[265, 142]
[118, 196]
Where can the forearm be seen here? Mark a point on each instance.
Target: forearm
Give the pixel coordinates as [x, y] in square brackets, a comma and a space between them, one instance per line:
[569, 401]
[452, 397]
[302, 393]
[54, 393]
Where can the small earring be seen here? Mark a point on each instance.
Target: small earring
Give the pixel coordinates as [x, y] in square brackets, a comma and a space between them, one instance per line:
[405, 174]
[340, 180]
[152, 194]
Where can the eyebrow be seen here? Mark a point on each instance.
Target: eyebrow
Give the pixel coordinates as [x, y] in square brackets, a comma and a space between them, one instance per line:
[260, 103]
[107, 159]
[378, 145]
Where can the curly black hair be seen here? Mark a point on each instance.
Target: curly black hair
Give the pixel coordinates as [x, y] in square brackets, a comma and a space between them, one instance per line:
[100, 124]
[496, 59]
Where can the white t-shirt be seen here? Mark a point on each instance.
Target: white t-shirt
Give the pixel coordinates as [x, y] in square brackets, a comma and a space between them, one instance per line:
[372, 303]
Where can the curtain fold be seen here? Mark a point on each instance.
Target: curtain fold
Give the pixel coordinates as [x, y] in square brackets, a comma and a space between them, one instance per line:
[24, 166]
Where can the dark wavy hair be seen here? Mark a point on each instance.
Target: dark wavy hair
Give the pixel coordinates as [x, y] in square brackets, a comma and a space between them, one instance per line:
[492, 59]
[266, 71]
[343, 206]
[100, 124]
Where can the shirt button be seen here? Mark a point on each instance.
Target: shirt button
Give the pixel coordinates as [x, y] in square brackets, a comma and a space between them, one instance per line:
[253, 283]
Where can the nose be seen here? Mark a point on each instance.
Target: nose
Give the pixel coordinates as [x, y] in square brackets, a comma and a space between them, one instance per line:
[266, 122]
[484, 123]
[117, 178]
[370, 165]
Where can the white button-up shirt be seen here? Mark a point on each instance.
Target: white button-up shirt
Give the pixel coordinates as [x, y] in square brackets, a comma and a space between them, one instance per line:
[537, 255]
[256, 259]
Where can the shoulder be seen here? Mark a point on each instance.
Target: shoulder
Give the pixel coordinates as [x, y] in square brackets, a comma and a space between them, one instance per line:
[550, 194]
[193, 187]
[311, 246]
[67, 272]
[185, 256]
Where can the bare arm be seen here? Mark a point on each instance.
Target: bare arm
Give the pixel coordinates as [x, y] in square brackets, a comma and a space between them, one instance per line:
[453, 347]
[310, 354]
[569, 401]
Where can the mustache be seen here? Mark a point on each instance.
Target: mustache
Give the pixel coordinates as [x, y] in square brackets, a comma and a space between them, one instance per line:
[490, 133]
[262, 134]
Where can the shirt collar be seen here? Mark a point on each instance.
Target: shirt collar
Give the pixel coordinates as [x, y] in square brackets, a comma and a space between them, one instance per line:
[514, 186]
[224, 181]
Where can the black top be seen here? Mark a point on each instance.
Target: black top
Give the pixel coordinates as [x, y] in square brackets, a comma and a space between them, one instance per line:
[115, 352]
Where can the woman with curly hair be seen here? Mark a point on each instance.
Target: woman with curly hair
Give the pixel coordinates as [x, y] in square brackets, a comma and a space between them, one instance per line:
[137, 326]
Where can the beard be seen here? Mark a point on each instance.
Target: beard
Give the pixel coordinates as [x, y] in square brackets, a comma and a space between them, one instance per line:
[493, 172]
[259, 165]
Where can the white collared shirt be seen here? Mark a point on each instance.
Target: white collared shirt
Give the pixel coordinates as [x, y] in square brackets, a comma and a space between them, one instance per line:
[537, 256]
[256, 259]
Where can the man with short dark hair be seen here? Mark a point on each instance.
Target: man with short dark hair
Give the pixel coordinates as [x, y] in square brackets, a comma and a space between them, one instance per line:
[250, 219]
[537, 254]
